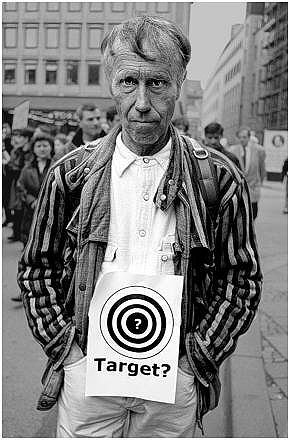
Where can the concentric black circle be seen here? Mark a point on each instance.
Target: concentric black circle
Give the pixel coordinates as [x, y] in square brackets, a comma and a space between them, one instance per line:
[136, 322]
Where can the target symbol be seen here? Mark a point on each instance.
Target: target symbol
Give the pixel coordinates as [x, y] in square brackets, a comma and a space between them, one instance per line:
[136, 322]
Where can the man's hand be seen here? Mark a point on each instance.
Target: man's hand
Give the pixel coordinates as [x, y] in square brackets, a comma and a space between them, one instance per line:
[184, 365]
[74, 355]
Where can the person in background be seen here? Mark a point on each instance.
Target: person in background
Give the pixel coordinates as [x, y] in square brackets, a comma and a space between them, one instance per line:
[70, 135]
[213, 134]
[43, 129]
[90, 126]
[6, 174]
[138, 188]
[182, 125]
[112, 117]
[285, 180]
[60, 142]
[20, 156]
[251, 156]
[6, 136]
[30, 180]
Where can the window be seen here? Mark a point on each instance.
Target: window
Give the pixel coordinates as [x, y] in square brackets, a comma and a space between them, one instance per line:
[52, 36]
[30, 74]
[31, 6]
[118, 6]
[96, 6]
[10, 73]
[74, 6]
[10, 6]
[141, 6]
[162, 7]
[31, 36]
[52, 6]
[72, 68]
[73, 37]
[51, 72]
[93, 74]
[95, 36]
[10, 36]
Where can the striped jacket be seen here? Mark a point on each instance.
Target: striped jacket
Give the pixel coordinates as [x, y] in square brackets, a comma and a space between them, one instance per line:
[218, 258]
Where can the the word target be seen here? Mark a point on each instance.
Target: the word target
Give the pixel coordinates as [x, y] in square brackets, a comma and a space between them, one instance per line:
[136, 322]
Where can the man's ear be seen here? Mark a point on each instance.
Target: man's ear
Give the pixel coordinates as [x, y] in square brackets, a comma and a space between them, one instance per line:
[180, 84]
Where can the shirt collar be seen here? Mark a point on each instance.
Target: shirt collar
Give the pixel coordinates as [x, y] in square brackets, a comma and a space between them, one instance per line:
[125, 157]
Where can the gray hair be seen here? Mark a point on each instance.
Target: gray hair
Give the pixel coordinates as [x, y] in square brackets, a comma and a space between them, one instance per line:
[162, 35]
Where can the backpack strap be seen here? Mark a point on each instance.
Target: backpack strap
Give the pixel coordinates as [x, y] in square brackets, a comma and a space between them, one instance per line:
[206, 175]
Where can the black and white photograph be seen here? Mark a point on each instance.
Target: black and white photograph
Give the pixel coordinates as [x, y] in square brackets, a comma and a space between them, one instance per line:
[144, 219]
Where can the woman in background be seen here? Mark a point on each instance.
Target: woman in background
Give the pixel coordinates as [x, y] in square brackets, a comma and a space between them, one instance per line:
[31, 178]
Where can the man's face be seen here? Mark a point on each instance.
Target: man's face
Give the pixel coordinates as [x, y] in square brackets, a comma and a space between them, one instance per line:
[91, 122]
[145, 93]
[212, 139]
[244, 137]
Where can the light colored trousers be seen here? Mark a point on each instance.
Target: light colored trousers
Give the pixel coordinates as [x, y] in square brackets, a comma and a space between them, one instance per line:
[100, 417]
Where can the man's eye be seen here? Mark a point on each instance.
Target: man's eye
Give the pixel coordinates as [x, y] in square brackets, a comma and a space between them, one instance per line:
[156, 83]
[129, 81]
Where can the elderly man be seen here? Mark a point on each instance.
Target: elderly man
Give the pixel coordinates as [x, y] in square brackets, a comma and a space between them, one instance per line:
[120, 204]
[251, 156]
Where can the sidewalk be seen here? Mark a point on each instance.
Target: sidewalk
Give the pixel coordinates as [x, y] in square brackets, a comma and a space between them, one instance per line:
[254, 399]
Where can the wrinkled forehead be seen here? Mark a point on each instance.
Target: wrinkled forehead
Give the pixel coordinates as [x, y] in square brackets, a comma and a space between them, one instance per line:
[122, 52]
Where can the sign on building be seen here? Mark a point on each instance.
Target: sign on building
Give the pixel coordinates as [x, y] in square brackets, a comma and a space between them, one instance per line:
[20, 115]
[276, 148]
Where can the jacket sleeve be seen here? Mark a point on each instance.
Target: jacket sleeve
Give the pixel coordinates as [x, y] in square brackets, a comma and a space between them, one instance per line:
[40, 271]
[236, 288]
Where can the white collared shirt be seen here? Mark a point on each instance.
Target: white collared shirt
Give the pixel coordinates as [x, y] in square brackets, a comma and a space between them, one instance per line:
[140, 234]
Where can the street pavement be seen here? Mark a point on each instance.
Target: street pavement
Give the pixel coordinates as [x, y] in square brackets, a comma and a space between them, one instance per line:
[24, 361]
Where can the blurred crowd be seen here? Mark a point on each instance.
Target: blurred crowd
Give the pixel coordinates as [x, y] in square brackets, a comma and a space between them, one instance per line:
[28, 154]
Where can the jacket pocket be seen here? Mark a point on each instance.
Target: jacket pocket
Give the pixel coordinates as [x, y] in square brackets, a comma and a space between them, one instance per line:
[75, 364]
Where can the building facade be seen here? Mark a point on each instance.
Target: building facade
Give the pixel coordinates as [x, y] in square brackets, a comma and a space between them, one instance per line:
[193, 107]
[274, 77]
[222, 95]
[51, 51]
[231, 94]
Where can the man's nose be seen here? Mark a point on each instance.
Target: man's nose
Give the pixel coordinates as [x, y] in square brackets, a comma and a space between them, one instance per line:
[142, 104]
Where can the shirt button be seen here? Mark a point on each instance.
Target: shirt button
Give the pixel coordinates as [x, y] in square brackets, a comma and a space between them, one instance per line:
[142, 233]
[82, 287]
[87, 170]
[164, 258]
[146, 197]
[170, 182]
[163, 197]
[145, 160]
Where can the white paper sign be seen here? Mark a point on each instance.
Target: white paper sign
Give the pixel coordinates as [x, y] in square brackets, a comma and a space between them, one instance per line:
[133, 340]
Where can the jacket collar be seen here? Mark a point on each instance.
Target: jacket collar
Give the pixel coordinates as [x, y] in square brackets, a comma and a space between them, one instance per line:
[95, 201]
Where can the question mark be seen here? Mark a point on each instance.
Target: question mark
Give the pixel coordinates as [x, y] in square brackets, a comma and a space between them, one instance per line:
[166, 369]
[138, 322]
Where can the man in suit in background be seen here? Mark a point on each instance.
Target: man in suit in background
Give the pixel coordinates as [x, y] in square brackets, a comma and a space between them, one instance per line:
[252, 159]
